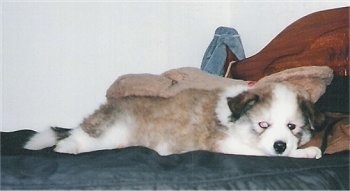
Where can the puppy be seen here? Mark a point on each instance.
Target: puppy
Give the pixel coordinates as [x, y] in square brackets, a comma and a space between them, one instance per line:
[269, 120]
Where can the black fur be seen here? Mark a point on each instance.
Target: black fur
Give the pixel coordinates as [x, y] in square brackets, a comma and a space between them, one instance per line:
[61, 133]
[240, 104]
[316, 118]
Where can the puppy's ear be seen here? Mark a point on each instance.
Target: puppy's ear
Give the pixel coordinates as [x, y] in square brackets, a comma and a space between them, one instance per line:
[316, 118]
[241, 104]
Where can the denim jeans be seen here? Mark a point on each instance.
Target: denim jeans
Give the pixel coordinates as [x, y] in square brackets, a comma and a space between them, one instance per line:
[215, 55]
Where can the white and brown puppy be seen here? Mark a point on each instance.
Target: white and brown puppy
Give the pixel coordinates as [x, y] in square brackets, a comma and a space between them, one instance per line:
[269, 120]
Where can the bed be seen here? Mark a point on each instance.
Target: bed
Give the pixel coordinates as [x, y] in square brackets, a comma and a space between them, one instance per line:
[139, 168]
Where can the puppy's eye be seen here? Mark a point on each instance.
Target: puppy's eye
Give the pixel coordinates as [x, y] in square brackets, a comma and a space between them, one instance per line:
[291, 126]
[264, 124]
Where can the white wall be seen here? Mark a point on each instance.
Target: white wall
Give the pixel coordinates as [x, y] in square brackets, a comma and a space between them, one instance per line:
[59, 58]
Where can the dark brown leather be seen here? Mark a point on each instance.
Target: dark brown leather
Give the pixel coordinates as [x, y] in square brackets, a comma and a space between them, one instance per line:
[318, 39]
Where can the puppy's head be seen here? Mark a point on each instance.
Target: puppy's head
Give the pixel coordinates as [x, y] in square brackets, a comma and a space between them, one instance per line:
[280, 119]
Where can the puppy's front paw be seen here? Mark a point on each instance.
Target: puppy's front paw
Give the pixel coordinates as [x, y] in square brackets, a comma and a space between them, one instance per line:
[309, 152]
[313, 152]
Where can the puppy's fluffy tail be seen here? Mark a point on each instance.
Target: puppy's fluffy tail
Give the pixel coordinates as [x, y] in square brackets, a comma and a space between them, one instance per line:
[47, 138]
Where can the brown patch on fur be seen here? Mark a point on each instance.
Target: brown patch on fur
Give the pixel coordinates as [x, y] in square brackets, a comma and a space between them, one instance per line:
[101, 119]
[265, 95]
[184, 122]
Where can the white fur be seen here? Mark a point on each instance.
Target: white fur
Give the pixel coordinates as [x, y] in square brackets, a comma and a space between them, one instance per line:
[79, 141]
[41, 140]
[310, 152]
[239, 143]
[163, 149]
[282, 111]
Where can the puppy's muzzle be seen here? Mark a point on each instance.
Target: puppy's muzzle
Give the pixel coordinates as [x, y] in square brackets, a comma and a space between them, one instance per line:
[279, 146]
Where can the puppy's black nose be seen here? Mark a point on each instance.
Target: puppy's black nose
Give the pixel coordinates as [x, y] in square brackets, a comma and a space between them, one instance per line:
[280, 146]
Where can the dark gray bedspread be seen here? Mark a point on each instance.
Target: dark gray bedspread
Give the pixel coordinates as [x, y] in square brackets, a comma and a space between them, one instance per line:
[141, 168]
